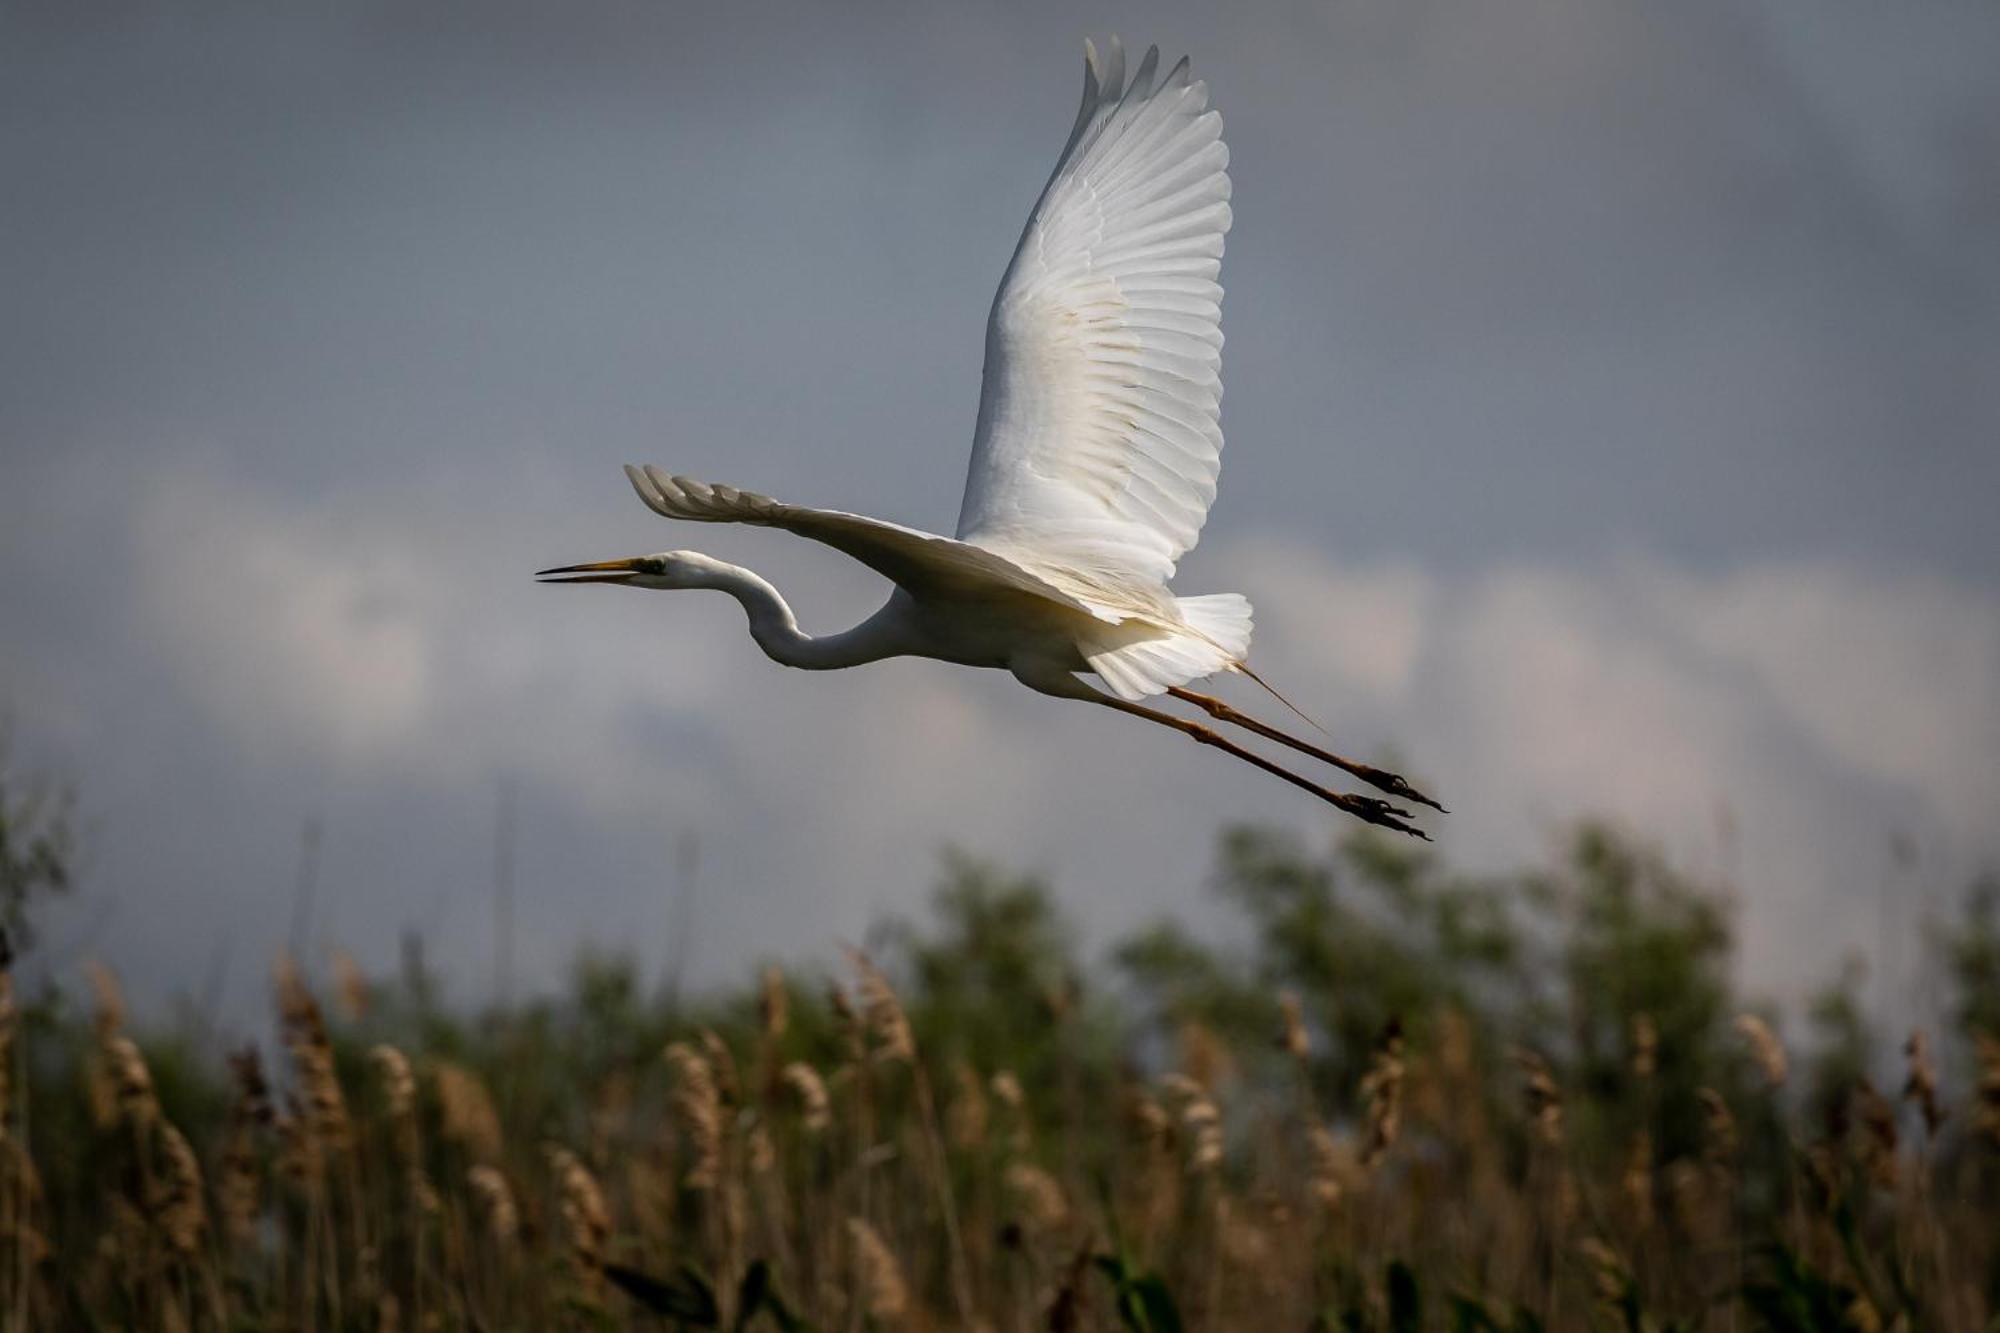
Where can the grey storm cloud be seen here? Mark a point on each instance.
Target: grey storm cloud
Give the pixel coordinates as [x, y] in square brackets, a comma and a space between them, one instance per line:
[1610, 402]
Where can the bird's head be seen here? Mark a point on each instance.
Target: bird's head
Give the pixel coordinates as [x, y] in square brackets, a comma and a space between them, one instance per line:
[668, 569]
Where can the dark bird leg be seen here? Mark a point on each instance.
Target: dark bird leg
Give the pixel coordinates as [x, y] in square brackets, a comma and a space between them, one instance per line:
[1368, 808]
[1380, 779]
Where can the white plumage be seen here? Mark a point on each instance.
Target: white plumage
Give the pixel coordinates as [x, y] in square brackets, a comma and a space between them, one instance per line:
[1094, 460]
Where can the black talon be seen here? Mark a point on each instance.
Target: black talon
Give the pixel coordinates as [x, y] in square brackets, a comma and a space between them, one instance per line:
[1396, 785]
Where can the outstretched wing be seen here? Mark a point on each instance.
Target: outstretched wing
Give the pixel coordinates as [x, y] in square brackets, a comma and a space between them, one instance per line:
[1098, 444]
[920, 561]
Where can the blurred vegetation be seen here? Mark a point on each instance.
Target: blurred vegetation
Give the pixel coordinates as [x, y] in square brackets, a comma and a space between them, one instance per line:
[1405, 1098]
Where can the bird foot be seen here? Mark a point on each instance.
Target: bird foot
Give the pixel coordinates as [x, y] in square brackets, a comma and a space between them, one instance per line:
[1380, 813]
[1395, 784]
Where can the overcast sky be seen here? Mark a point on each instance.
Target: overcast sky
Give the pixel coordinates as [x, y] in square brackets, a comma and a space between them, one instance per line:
[1613, 416]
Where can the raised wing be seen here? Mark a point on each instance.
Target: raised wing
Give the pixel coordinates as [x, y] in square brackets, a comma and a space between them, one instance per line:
[1098, 442]
[920, 561]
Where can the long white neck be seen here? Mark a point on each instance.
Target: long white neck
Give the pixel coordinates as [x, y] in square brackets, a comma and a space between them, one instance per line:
[777, 631]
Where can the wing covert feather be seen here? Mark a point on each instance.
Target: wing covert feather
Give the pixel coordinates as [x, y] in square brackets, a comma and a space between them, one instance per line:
[912, 558]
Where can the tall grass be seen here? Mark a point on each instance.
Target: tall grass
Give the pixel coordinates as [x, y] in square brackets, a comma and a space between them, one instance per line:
[976, 1130]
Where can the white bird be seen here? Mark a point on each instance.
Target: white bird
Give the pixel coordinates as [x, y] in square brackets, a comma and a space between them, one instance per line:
[1093, 463]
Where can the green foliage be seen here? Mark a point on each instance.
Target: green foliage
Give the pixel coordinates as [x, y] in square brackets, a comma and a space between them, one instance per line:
[1643, 940]
[1143, 1301]
[37, 845]
[1971, 954]
[1792, 1297]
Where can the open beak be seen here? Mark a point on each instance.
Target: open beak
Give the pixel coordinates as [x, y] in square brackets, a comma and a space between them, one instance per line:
[601, 571]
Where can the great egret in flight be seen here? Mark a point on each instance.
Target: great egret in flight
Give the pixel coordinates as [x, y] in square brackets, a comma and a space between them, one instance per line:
[1093, 463]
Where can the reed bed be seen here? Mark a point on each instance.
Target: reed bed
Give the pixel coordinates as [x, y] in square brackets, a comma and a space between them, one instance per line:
[849, 1151]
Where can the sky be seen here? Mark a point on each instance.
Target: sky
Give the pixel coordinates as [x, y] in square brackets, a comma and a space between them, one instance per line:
[1613, 421]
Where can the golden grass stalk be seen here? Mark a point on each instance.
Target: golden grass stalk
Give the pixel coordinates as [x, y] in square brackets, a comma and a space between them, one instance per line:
[1986, 1095]
[1921, 1083]
[1540, 1097]
[1293, 1039]
[311, 1050]
[466, 1114]
[1382, 1090]
[965, 1117]
[1719, 1140]
[586, 1218]
[883, 1012]
[238, 1183]
[879, 1287]
[176, 1203]
[697, 1108]
[495, 1200]
[773, 1003]
[1765, 1049]
[1645, 1046]
[809, 1090]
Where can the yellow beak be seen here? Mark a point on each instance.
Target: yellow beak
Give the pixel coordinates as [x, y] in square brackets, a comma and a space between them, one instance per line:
[601, 571]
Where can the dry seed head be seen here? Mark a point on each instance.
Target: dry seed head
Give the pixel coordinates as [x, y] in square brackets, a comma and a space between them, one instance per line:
[1150, 1125]
[238, 1184]
[1765, 1048]
[1454, 1045]
[1637, 1182]
[1877, 1121]
[399, 1085]
[350, 986]
[238, 1193]
[253, 1091]
[758, 1153]
[496, 1203]
[773, 1003]
[1245, 1244]
[108, 1013]
[1204, 1056]
[697, 1108]
[1540, 1096]
[399, 1092]
[883, 1293]
[1645, 1046]
[853, 1032]
[1202, 1121]
[1986, 1097]
[1921, 1086]
[1382, 1086]
[965, 1118]
[298, 1154]
[465, 1111]
[312, 1059]
[21, 1185]
[586, 1219]
[1043, 1206]
[1292, 1037]
[176, 1204]
[1329, 1165]
[1609, 1277]
[810, 1090]
[883, 1011]
[1718, 1129]
[722, 1065]
[9, 1021]
[131, 1083]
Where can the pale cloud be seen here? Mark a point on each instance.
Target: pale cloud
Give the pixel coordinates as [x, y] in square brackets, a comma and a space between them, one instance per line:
[289, 627]
[1778, 721]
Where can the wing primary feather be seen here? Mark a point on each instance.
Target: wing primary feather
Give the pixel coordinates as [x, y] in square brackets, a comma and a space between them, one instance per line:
[1098, 441]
